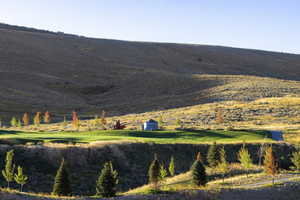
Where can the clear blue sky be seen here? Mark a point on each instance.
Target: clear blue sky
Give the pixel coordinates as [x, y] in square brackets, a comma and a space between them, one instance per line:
[258, 24]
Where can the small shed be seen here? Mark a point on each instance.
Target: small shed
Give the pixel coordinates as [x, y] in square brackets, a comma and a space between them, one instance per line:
[150, 125]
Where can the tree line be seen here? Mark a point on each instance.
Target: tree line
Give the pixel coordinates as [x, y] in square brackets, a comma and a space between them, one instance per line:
[46, 118]
[108, 179]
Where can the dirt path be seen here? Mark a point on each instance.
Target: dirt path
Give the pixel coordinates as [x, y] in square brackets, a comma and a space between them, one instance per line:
[285, 178]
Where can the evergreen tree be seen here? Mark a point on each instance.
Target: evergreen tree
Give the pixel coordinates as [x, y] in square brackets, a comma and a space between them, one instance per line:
[21, 178]
[212, 155]
[245, 158]
[270, 165]
[172, 166]
[107, 181]
[62, 185]
[154, 172]
[296, 159]
[9, 171]
[223, 165]
[14, 122]
[26, 119]
[199, 177]
[37, 119]
[47, 117]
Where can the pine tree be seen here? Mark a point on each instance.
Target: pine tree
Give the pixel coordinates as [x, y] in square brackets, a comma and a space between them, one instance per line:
[212, 155]
[14, 122]
[37, 119]
[107, 181]
[172, 166]
[26, 119]
[223, 165]
[245, 159]
[9, 171]
[47, 117]
[296, 159]
[154, 172]
[21, 178]
[62, 185]
[270, 165]
[199, 177]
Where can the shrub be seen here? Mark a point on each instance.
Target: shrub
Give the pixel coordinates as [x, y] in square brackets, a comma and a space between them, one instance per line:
[21, 178]
[26, 119]
[47, 117]
[14, 122]
[75, 120]
[219, 117]
[296, 159]
[163, 173]
[37, 119]
[19, 123]
[119, 125]
[103, 120]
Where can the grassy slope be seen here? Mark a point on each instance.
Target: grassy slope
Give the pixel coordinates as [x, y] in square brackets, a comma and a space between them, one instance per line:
[192, 136]
[184, 182]
[61, 72]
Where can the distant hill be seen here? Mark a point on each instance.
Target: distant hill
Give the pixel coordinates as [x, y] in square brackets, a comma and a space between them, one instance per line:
[42, 70]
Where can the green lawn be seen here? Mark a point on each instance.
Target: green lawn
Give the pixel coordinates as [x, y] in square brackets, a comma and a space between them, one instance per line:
[186, 136]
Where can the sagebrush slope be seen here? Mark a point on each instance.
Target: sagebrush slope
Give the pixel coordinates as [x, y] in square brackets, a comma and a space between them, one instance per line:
[41, 70]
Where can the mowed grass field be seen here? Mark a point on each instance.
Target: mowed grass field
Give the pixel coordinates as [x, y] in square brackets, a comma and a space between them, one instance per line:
[176, 136]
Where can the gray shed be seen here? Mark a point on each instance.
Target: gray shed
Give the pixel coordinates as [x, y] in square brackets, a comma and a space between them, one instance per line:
[150, 125]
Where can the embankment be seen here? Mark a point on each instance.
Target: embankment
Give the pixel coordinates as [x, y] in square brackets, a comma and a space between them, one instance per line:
[131, 160]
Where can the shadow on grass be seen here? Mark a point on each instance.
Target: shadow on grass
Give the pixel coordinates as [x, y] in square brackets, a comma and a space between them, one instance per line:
[22, 141]
[186, 134]
[4, 132]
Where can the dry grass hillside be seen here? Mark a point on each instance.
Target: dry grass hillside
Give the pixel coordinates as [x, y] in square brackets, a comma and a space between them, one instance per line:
[42, 70]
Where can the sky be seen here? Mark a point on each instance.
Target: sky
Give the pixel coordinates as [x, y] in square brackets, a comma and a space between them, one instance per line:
[256, 24]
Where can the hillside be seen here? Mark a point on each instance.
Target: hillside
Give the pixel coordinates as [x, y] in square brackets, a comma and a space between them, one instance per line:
[42, 70]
